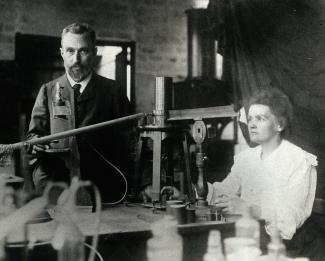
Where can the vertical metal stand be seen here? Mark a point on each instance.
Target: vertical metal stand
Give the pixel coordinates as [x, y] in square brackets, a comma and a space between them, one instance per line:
[158, 132]
[199, 134]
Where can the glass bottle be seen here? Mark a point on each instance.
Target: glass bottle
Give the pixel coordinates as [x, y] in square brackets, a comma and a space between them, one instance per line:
[73, 244]
[276, 249]
[166, 243]
[248, 227]
[214, 248]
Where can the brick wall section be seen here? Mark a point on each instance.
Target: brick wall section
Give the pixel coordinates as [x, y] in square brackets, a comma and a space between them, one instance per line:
[9, 15]
[157, 26]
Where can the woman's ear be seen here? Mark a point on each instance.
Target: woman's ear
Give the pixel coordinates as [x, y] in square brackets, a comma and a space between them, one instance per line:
[281, 124]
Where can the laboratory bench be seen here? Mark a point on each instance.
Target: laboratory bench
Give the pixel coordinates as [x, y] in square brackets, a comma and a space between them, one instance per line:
[123, 233]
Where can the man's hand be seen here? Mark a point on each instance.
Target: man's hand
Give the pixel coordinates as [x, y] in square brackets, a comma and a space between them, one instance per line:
[39, 149]
[230, 204]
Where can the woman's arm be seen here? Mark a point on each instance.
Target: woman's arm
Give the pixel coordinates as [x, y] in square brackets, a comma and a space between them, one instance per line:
[230, 186]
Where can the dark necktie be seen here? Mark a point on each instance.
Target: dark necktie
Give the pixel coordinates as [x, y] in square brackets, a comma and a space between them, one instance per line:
[76, 93]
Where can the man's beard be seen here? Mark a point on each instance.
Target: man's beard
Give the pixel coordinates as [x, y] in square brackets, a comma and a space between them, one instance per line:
[78, 72]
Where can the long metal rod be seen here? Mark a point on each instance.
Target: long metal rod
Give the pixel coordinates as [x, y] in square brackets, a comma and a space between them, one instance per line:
[68, 133]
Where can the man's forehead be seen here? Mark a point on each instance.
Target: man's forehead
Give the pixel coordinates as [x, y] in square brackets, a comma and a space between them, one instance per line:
[75, 40]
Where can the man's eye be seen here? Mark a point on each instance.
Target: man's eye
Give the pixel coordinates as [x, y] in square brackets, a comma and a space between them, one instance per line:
[84, 52]
[70, 51]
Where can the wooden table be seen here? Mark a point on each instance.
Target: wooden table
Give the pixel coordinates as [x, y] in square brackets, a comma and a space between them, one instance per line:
[124, 231]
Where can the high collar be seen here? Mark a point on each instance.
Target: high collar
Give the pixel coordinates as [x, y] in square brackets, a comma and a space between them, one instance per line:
[87, 94]
[275, 152]
[83, 83]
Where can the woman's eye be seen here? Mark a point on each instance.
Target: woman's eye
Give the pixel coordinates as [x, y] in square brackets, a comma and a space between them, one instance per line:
[260, 118]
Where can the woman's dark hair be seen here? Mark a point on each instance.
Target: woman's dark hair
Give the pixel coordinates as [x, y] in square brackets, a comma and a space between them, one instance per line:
[278, 102]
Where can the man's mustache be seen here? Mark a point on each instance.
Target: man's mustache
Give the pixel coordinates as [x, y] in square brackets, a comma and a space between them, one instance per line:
[77, 66]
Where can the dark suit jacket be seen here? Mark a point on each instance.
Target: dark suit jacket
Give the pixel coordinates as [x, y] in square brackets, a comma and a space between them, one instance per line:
[101, 101]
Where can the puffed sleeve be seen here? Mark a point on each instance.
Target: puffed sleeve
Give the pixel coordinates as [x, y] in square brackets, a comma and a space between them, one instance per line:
[229, 186]
[294, 199]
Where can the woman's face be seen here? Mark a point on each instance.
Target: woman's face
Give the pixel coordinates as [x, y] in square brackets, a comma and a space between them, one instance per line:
[263, 125]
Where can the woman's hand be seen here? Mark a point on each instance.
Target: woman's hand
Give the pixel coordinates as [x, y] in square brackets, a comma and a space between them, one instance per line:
[230, 204]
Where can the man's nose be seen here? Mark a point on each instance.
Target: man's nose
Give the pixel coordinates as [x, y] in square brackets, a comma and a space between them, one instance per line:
[76, 57]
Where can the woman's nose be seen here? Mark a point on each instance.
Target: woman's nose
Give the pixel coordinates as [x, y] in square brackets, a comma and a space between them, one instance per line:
[251, 124]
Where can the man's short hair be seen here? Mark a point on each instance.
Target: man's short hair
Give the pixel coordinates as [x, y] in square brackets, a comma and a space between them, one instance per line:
[80, 28]
[278, 102]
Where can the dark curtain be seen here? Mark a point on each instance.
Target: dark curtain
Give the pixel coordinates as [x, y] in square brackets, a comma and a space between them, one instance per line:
[271, 43]
[278, 43]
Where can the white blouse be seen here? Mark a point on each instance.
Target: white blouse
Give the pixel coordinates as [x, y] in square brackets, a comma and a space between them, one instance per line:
[283, 185]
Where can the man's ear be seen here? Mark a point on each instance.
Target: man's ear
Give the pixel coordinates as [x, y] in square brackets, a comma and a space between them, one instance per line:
[61, 51]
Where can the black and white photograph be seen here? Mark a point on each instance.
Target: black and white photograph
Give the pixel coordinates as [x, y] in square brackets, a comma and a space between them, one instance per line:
[162, 130]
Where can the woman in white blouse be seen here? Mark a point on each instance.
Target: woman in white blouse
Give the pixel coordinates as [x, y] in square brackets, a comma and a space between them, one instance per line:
[276, 178]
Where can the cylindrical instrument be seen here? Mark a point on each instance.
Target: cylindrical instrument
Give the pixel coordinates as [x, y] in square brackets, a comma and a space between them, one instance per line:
[163, 99]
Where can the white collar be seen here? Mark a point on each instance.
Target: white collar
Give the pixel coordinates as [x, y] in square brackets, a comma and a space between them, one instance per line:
[83, 83]
[273, 153]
